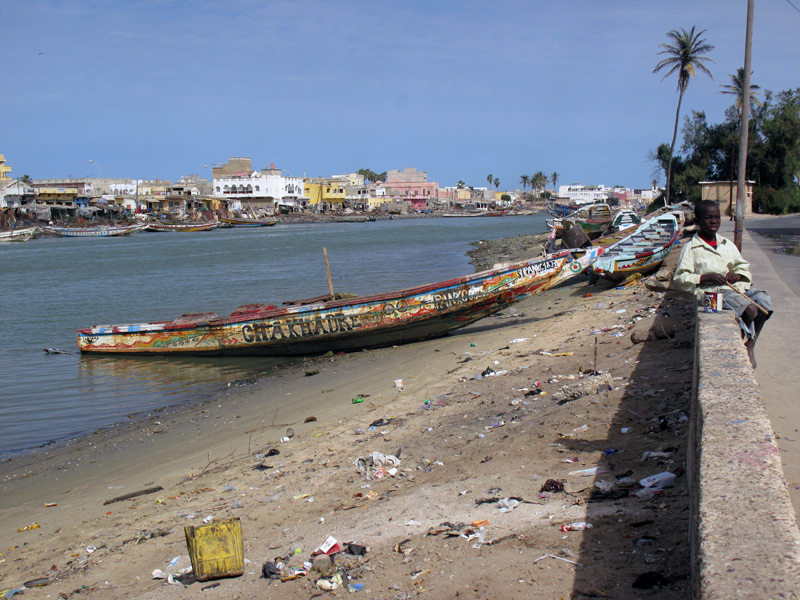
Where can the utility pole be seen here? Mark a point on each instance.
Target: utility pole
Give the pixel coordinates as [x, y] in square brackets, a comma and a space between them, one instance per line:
[741, 188]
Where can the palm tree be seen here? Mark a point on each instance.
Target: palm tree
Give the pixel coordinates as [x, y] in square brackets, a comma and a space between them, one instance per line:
[684, 55]
[524, 180]
[490, 179]
[539, 180]
[554, 179]
[736, 88]
[26, 179]
[496, 183]
[460, 184]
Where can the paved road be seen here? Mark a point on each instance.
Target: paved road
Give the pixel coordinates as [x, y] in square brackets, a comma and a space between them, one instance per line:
[778, 349]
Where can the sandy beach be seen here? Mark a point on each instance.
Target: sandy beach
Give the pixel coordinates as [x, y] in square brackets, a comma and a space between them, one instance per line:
[542, 391]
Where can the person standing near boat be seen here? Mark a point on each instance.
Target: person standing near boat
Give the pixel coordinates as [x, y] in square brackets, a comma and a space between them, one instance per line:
[713, 263]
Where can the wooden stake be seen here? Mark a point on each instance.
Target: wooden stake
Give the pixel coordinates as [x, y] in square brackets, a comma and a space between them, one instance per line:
[758, 306]
[595, 357]
[328, 272]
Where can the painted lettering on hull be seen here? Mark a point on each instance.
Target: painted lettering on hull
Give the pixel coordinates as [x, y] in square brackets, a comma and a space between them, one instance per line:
[256, 333]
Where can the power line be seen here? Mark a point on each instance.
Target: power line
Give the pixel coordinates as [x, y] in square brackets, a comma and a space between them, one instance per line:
[793, 6]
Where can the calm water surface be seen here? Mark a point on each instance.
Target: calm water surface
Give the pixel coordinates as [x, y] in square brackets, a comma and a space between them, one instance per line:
[51, 286]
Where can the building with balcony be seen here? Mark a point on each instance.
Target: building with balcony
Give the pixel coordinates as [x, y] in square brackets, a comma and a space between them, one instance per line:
[256, 191]
[325, 194]
[5, 170]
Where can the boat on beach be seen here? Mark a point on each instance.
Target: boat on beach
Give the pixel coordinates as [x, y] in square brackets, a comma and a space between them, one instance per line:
[100, 231]
[248, 222]
[159, 227]
[640, 251]
[594, 219]
[374, 321]
[18, 235]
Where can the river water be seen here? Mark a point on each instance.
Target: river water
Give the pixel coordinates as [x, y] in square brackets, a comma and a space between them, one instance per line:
[51, 286]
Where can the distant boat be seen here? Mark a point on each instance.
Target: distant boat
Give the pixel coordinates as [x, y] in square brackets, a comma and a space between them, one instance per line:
[640, 251]
[375, 321]
[248, 222]
[182, 226]
[625, 219]
[18, 235]
[594, 219]
[101, 231]
[355, 219]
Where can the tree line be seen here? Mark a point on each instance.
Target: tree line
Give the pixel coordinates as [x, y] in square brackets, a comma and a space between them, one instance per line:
[709, 151]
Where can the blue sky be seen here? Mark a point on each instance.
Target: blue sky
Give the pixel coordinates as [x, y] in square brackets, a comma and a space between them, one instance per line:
[461, 89]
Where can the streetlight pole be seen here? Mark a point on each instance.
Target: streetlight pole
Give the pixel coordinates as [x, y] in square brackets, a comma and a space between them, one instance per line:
[98, 167]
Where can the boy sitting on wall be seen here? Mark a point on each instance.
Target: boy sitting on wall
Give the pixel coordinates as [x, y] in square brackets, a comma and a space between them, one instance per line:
[711, 262]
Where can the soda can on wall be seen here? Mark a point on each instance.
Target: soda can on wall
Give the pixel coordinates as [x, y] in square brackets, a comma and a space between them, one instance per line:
[713, 302]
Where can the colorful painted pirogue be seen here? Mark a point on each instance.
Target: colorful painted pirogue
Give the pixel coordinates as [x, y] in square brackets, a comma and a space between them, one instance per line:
[248, 222]
[366, 322]
[638, 252]
[111, 231]
[594, 220]
[182, 226]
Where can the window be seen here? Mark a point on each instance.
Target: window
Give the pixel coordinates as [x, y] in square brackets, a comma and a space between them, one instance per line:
[218, 187]
[258, 189]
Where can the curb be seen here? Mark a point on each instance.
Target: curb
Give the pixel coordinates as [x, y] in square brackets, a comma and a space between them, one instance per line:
[745, 542]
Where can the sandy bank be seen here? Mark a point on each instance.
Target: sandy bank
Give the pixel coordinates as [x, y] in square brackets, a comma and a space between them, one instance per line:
[461, 438]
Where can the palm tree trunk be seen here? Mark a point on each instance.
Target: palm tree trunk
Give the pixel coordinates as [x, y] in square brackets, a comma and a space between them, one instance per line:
[672, 147]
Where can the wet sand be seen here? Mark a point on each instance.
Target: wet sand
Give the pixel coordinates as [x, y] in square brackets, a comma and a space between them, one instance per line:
[461, 438]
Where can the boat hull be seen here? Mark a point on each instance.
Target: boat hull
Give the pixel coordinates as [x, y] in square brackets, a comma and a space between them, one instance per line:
[18, 235]
[92, 231]
[345, 325]
[640, 252]
[244, 222]
[163, 227]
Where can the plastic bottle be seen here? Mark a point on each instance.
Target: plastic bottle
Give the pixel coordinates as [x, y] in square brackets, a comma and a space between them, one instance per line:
[658, 481]
[579, 526]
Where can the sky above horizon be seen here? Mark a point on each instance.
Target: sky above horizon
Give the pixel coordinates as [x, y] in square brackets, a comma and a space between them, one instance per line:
[458, 88]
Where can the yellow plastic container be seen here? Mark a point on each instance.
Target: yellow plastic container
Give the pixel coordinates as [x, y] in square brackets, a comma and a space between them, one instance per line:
[216, 549]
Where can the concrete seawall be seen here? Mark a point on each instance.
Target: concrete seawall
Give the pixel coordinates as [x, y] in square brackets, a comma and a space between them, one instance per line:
[744, 536]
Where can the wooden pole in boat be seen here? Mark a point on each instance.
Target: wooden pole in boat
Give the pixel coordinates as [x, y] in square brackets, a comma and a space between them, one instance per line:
[328, 272]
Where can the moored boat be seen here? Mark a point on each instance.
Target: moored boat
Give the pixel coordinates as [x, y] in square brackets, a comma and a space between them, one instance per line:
[100, 231]
[641, 251]
[18, 235]
[594, 219]
[379, 320]
[625, 219]
[248, 222]
[182, 226]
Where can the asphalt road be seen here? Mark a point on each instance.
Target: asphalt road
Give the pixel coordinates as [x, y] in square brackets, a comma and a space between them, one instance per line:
[778, 349]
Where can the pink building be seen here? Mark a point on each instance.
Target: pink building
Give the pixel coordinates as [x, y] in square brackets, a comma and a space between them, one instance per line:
[418, 194]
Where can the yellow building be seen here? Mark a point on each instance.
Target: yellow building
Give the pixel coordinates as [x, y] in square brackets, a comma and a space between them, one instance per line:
[328, 194]
[4, 168]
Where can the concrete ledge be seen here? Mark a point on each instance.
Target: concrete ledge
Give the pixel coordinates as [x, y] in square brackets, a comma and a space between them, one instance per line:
[744, 537]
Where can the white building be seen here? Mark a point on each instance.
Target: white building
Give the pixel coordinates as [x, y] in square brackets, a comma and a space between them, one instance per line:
[266, 188]
[584, 194]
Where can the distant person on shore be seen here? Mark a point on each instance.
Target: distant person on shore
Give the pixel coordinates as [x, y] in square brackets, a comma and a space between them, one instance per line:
[713, 263]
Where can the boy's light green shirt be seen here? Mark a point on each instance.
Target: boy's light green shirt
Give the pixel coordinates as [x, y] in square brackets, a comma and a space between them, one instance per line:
[698, 258]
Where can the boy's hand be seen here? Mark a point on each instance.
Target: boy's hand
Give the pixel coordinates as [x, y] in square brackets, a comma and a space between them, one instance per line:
[733, 277]
[715, 278]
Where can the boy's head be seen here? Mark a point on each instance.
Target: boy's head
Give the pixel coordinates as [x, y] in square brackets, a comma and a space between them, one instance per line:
[707, 217]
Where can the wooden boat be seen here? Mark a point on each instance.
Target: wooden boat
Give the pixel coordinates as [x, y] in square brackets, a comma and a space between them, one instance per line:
[102, 231]
[374, 321]
[561, 209]
[625, 219]
[18, 235]
[182, 226]
[639, 252]
[248, 222]
[594, 219]
[355, 219]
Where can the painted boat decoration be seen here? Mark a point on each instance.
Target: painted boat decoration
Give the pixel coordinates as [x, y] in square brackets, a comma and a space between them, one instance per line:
[639, 252]
[182, 226]
[374, 321]
[18, 235]
[248, 222]
[110, 231]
